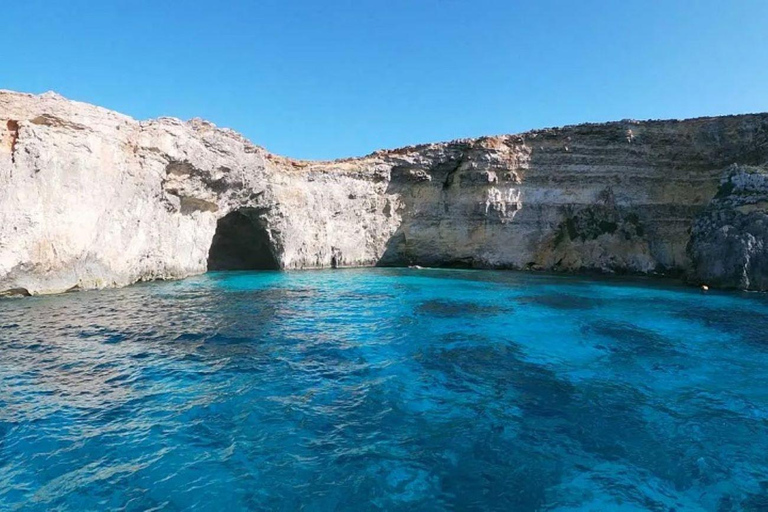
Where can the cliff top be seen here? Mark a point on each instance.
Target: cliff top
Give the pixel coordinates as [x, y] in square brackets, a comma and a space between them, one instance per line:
[53, 107]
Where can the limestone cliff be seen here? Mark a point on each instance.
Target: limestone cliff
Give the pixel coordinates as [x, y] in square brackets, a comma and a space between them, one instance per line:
[91, 198]
[729, 243]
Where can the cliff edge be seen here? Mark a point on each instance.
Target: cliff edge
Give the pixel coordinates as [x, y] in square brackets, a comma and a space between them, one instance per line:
[91, 198]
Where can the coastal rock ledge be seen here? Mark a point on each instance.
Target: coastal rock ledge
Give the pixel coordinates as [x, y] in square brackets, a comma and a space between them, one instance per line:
[90, 198]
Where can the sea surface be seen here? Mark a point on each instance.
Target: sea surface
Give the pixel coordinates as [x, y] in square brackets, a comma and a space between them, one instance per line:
[384, 389]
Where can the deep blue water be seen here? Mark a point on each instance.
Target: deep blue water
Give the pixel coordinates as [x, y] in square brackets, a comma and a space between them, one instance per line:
[385, 389]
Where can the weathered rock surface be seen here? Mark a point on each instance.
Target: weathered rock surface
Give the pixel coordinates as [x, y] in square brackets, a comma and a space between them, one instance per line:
[91, 198]
[729, 244]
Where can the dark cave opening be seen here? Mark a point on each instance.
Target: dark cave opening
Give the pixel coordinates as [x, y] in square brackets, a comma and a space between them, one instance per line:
[241, 242]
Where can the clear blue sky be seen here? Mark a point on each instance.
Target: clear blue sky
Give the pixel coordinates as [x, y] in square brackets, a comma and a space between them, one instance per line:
[328, 78]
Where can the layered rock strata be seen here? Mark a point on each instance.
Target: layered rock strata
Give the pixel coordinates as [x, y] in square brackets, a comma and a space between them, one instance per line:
[90, 198]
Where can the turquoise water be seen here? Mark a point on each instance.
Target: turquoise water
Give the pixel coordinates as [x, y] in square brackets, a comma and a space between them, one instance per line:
[385, 389]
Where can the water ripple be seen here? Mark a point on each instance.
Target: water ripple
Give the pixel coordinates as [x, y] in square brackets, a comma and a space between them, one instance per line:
[385, 389]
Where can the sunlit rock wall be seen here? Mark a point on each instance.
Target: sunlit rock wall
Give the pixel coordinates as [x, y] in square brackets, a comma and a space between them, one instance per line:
[90, 198]
[612, 197]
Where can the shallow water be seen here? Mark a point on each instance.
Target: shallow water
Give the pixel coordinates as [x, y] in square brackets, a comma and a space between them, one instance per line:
[385, 389]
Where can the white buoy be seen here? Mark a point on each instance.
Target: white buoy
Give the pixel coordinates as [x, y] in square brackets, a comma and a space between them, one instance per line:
[704, 288]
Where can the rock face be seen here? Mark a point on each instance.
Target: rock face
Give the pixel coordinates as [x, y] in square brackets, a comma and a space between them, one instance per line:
[91, 198]
[729, 244]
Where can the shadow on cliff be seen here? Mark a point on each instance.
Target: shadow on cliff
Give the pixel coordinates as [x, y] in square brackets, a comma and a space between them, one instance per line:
[410, 181]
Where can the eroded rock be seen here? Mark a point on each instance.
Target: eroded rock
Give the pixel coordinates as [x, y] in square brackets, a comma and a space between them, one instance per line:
[91, 198]
[729, 243]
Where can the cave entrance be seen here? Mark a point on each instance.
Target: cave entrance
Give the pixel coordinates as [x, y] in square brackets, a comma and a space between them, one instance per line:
[241, 242]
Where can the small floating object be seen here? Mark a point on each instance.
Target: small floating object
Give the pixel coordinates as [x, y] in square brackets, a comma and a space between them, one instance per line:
[704, 288]
[417, 267]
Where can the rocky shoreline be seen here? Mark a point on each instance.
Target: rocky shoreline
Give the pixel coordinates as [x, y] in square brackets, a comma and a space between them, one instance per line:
[91, 198]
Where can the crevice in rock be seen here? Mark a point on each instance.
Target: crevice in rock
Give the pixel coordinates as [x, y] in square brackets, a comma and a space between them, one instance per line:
[13, 128]
[57, 122]
[189, 205]
[336, 257]
[242, 242]
[451, 174]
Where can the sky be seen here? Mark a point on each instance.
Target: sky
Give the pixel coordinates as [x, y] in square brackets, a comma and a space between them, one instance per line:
[325, 79]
